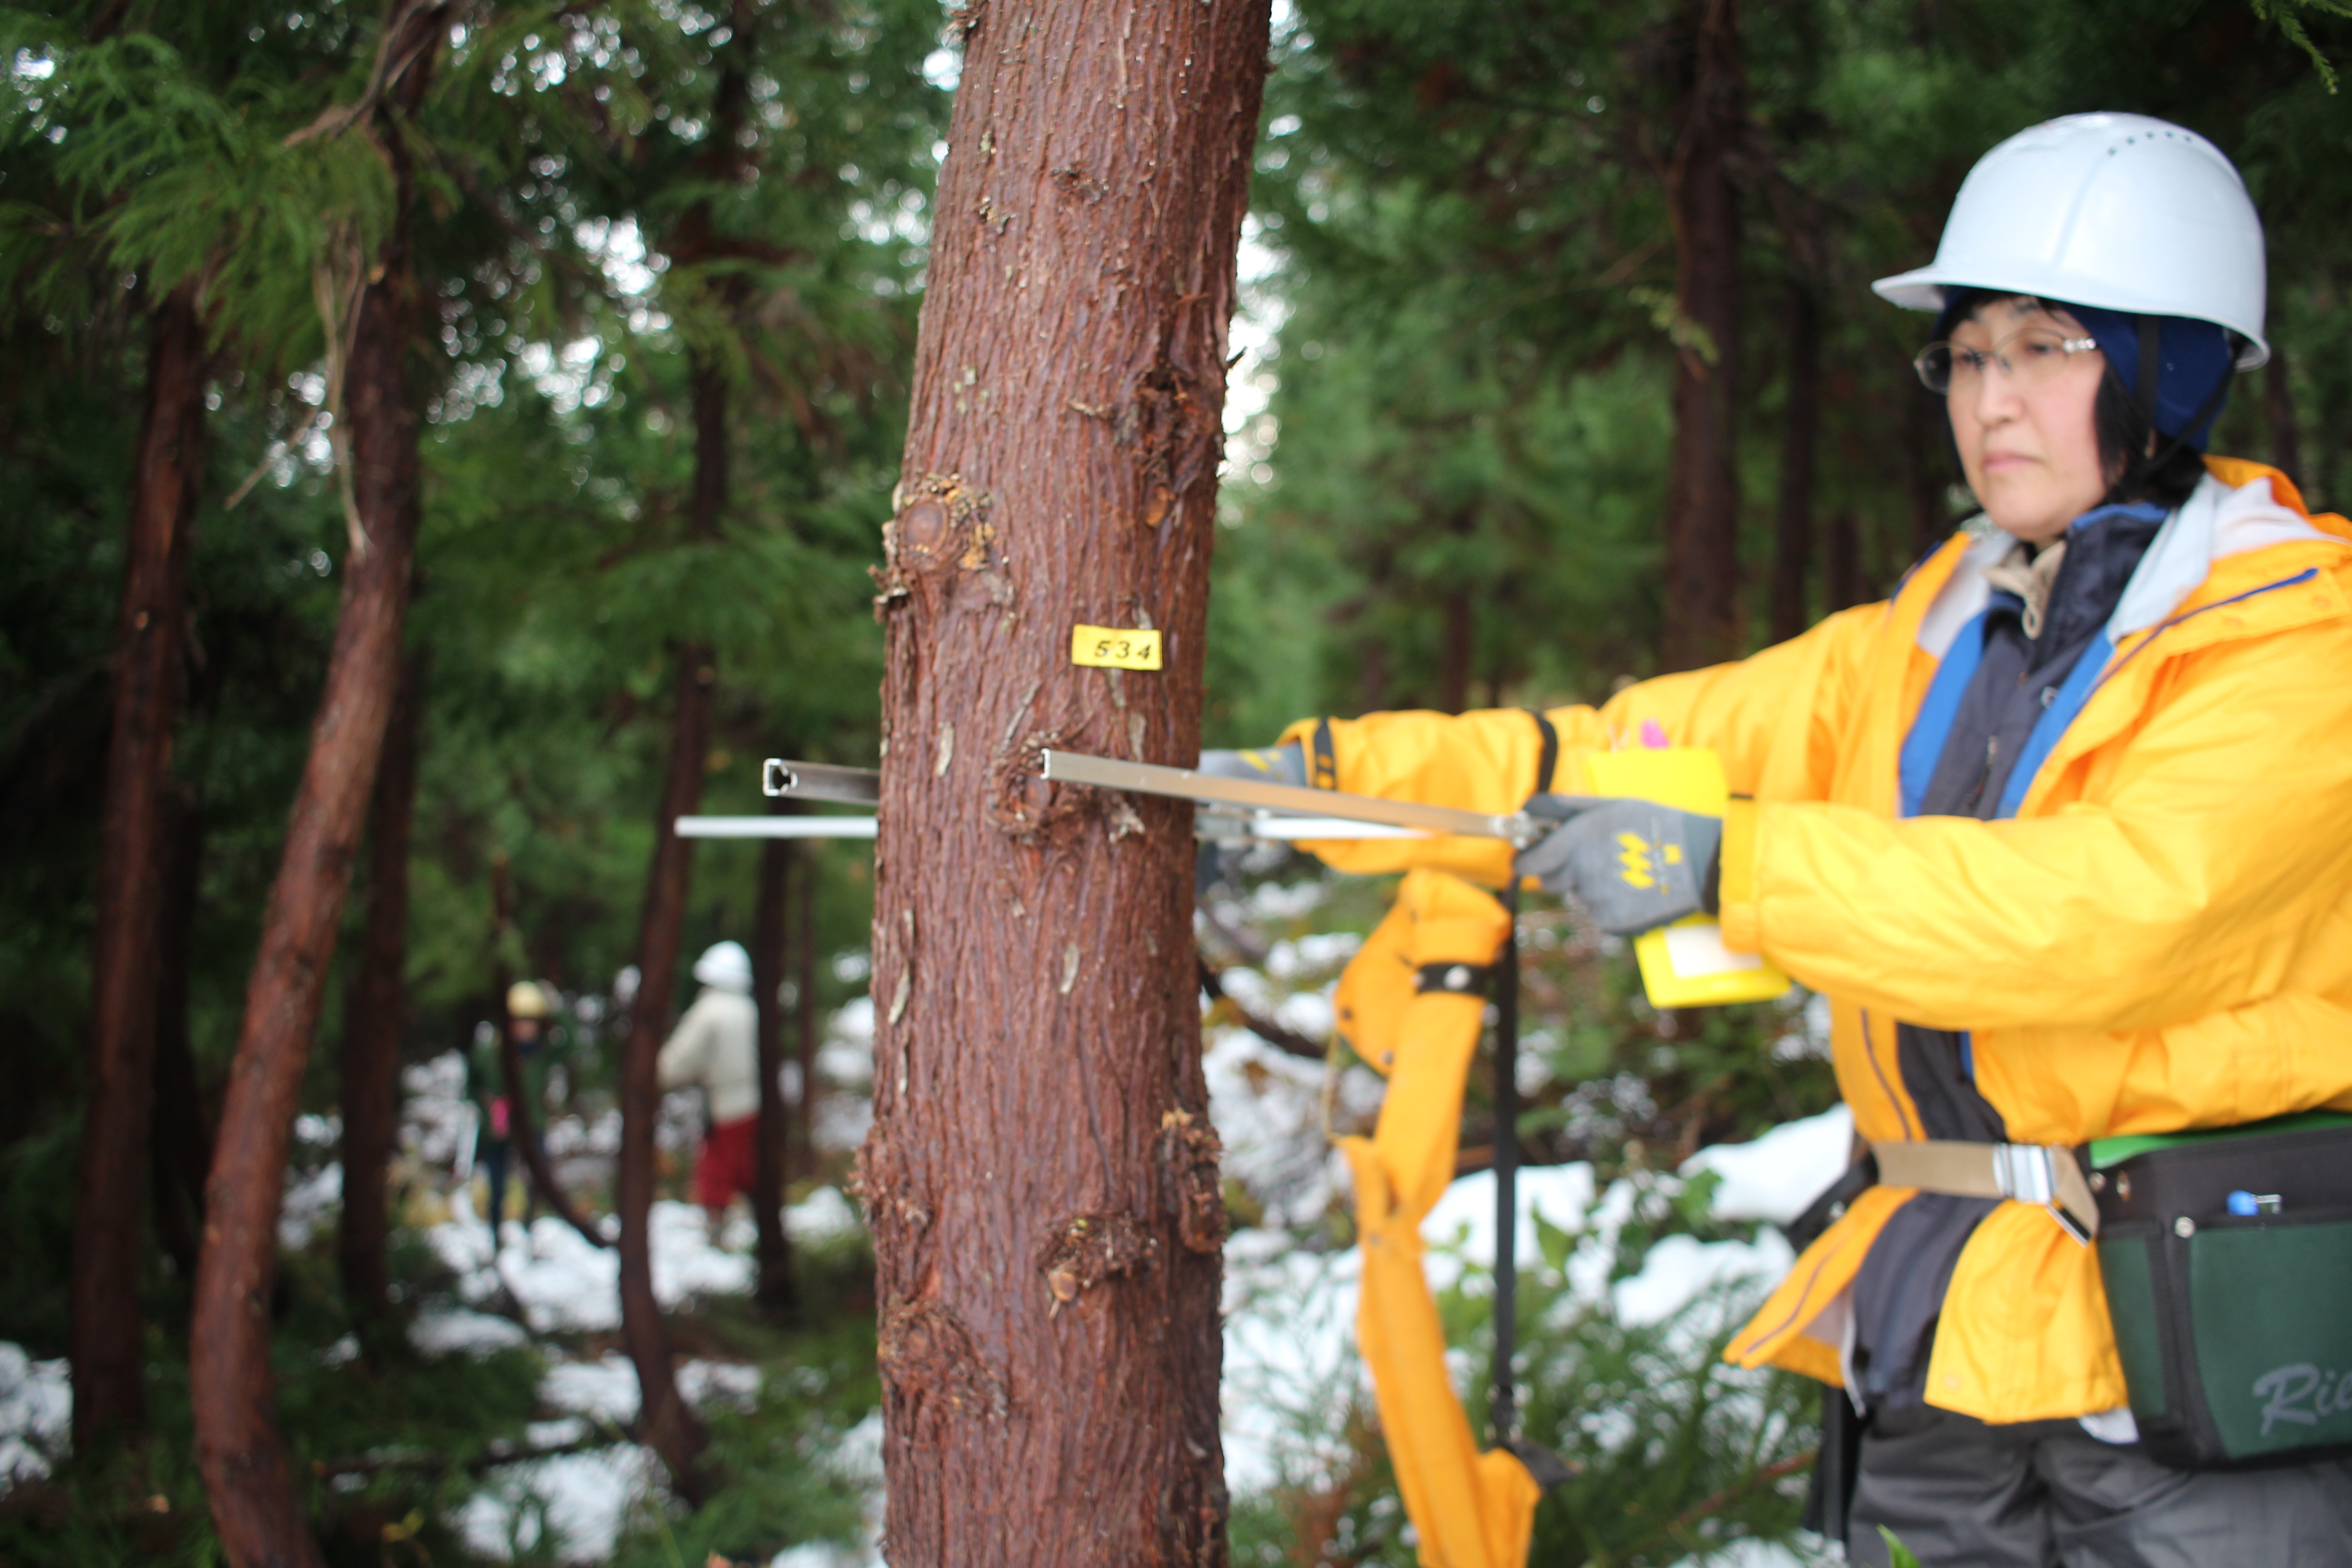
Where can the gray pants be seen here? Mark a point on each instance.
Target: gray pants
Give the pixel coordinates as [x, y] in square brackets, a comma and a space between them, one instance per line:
[2047, 1494]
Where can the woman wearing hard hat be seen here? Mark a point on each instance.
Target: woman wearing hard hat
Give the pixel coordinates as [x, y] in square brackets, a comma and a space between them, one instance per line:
[2064, 830]
[716, 1047]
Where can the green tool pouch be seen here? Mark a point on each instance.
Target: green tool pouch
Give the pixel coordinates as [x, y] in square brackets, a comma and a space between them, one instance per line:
[2235, 1327]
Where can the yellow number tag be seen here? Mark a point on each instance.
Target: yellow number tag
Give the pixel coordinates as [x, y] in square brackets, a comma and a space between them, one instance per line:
[1107, 647]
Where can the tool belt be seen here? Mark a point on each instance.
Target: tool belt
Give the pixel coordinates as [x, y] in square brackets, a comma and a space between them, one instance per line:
[2227, 1258]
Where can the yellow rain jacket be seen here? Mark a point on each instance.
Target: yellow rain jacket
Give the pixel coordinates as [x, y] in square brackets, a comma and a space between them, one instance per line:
[2159, 938]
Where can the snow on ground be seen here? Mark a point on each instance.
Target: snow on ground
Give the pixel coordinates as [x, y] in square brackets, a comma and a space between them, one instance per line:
[36, 1412]
[1779, 1175]
[561, 1282]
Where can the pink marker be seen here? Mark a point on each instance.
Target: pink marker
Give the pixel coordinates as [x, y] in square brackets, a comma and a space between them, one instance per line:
[1654, 736]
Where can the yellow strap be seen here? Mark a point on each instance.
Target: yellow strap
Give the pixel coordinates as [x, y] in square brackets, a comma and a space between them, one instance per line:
[1471, 1509]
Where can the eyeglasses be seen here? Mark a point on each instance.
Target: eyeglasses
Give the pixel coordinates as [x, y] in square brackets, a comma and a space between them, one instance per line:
[2026, 358]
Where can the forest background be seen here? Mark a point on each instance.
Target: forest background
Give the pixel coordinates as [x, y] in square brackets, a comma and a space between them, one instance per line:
[1559, 369]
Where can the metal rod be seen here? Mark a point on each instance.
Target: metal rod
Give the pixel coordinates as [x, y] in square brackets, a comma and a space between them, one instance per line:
[820, 780]
[775, 827]
[1505, 1414]
[1211, 826]
[1287, 800]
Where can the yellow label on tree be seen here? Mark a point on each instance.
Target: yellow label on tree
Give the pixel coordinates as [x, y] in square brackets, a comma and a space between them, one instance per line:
[1107, 647]
[1685, 964]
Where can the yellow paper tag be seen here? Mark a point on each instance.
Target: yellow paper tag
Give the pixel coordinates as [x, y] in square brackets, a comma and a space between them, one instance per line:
[1107, 647]
[1685, 964]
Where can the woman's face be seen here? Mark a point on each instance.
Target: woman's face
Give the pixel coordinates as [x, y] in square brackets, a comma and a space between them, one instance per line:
[2027, 439]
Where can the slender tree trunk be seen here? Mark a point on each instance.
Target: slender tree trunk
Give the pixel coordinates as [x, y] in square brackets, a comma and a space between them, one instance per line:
[2278, 402]
[664, 1421]
[1041, 1177]
[249, 1472]
[805, 1024]
[1457, 655]
[373, 1006]
[770, 952]
[525, 1109]
[104, 1335]
[1792, 536]
[179, 1133]
[1842, 570]
[1703, 488]
[1925, 436]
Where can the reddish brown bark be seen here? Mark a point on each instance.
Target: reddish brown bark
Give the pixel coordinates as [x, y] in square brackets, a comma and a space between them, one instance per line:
[804, 1025]
[770, 941]
[664, 1422]
[1792, 533]
[1041, 1178]
[104, 1337]
[371, 1015]
[180, 1135]
[1702, 523]
[248, 1473]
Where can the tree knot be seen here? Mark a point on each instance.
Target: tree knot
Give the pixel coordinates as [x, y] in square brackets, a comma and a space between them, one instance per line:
[1190, 1150]
[1086, 1250]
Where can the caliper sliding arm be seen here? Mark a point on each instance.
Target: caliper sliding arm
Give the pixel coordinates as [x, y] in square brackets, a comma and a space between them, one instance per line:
[1240, 807]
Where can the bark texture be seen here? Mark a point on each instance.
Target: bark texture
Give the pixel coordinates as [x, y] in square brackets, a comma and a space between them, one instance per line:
[1041, 1177]
[373, 1006]
[805, 1026]
[1703, 487]
[770, 943]
[249, 1472]
[104, 1337]
[1792, 531]
[664, 1422]
[179, 1129]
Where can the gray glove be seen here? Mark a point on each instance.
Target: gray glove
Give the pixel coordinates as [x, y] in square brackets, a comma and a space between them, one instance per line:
[1634, 864]
[1275, 765]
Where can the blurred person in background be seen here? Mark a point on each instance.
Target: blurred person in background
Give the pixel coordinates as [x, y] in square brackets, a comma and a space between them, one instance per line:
[715, 1047]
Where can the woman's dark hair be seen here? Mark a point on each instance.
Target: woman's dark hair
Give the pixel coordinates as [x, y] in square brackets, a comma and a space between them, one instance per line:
[2123, 430]
[2121, 427]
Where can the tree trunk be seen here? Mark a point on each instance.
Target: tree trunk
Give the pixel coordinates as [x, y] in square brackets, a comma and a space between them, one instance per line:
[770, 941]
[805, 1023]
[1041, 1178]
[180, 1135]
[2286, 433]
[248, 1473]
[1842, 570]
[104, 1337]
[524, 1109]
[1926, 437]
[664, 1421]
[371, 1015]
[1703, 487]
[1792, 536]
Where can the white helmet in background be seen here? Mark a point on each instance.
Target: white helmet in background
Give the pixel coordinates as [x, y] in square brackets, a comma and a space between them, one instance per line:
[2114, 210]
[725, 966]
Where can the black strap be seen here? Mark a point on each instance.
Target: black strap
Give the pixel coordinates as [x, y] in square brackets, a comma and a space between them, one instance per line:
[1453, 979]
[1505, 1408]
[1322, 758]
[1548, 762]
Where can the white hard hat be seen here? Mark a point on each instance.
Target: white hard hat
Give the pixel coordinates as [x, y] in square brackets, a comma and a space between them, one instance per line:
[724, 964]
[2114, 210]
